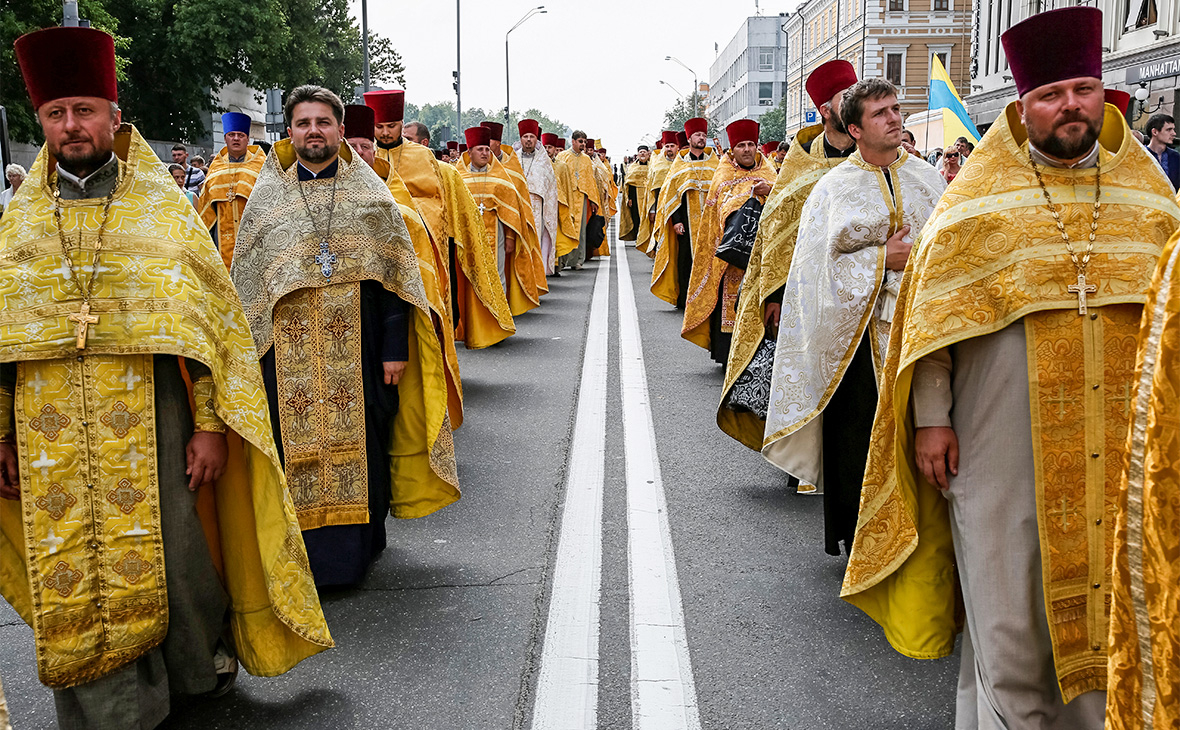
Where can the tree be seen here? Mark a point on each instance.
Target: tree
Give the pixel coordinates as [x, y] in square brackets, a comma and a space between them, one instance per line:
[772, 126]
[440, 120]
[682, 110]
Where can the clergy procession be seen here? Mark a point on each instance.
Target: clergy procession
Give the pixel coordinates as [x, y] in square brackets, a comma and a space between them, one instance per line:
[960, 380]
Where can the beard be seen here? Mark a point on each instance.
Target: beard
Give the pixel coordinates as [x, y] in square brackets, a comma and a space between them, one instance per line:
[81, 160]
[315, 155]
[1065, 148]
[837, 124]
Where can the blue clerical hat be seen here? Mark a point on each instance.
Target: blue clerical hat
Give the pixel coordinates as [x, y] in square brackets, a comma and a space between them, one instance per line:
[235, 122]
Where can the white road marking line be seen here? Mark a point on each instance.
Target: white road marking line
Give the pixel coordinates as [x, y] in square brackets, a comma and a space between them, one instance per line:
[663, 695]
[567, 683]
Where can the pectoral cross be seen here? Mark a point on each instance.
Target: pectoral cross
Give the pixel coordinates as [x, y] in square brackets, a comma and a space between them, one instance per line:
[84, 319]
[482, 208]
[1081, 289]
[325, 259]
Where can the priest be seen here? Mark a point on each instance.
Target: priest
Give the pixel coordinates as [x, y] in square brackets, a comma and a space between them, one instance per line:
[145, 532]
[742, 174]
[542, 187]
[817, 150]
[567, 227]
[660, 165]
[853, 243]
[584, 195]
[529, 245]
[1000, 441]
[354, 373]
[505, 215]
[678, 214]
[634, 182]
[229, 182]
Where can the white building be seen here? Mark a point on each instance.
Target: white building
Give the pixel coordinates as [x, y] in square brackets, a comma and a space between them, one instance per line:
[749, 75]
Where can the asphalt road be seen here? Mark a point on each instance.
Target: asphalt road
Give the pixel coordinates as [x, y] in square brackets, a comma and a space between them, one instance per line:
[448, 630]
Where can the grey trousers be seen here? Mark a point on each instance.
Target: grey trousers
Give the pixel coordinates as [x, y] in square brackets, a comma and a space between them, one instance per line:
[577, 257]
[136, 697]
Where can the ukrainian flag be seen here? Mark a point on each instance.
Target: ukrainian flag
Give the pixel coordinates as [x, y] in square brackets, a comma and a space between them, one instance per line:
[955, 122]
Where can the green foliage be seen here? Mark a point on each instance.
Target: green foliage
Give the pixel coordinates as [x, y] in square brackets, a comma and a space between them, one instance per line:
[772, 126]
[440, 120]
[176, 55]
[682, 110]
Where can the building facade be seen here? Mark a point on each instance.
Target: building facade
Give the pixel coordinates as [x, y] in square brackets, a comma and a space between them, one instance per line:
[1141, 52]
[894, 39]
[748, 77]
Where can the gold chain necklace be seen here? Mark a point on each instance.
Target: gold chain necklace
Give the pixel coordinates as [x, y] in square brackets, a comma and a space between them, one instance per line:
[1082, 287]
[82, 318]
[325, 258]
[483, 188]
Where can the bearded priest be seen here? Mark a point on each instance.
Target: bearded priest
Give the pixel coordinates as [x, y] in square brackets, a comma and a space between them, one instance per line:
[1001, 436]
[355, 375]
[678, 214]
[228, 184]
[634, 181]
[138, 533]
[505, 214]
[542, 187]
[567, 228]
[742, 174]
[817, 150]
[585, 198]
[853, 243]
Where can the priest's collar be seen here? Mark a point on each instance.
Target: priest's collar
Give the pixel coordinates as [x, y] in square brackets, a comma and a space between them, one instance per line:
[483, 169]
[701, 156]
[832, 151]
[324, 174]
[97, 184]
[1090, 160]
[237, 159]
[396, 144]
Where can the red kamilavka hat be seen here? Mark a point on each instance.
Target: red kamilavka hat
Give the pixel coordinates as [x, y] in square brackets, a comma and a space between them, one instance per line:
[829, 79]
[1053, 46]
[388, 106]
[770, 147]
[452, 145]
[528, 126]
[477, 136]
[694, 125]
[743, 130]
[681, 139]
[358, 121]
[62, 62]
[1119, 98]
[496, 129]
[668, 137]
[549, 139]
[462, 148]
[561, 143]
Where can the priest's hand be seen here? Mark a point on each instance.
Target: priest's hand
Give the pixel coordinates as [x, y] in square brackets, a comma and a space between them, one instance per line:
[9, 477]
[679, 228]
[762, 188]
[510, 244]
[394, 371]
[207, 454]
[897, 251]
[593, 209]
[651, 219]
[937, 451]
[773, 311]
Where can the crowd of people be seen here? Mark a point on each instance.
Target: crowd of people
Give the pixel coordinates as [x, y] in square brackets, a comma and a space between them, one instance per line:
[216, 383]
[970, 357]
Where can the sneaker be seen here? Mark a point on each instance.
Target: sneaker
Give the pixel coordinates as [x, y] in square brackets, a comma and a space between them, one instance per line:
[226, 665]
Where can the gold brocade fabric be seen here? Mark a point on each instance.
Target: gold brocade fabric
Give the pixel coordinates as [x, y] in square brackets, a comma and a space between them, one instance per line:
[321, 404]
[1144, 667]
[542, 188]
[567, 230]
[224, 194]
[691, 177]
[88, 468]
[419, 169]
[162, 289]
[731, 188]
[636, 179]
[608, 193]
[498, 199]
[583, 189]
[660, 166]
[277, 254]
[483, 318]
[770, 260]
[990, 255]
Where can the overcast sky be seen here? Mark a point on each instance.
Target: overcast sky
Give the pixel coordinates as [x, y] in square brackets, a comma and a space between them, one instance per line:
[604, 79]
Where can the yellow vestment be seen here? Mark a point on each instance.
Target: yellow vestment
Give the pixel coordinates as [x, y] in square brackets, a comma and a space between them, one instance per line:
[567, 223]
[770, 261]
[649, 196]
[511, 163]
[224, 195]
[636, 179]
[990, 256]
[99, 602]
[687, 184]
[1144, 669]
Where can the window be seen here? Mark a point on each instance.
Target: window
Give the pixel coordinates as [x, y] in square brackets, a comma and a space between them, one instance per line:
[893, 68]
[765, 93]
[1141, 14]
[942, 58]
[942, 5]
[766, 59]
[896, 6]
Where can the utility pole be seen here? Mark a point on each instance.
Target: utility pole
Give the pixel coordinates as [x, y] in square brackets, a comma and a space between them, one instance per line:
[365, 40]
[458, 69]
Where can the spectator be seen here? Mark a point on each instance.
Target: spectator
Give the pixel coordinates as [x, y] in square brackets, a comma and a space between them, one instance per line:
[909, 143]
[199, 163]
[417, 132]
[964, 147]
[951, 165]
[935, 158]
[178, 174]
[15, 175]
[193, 177]
[1160, 133]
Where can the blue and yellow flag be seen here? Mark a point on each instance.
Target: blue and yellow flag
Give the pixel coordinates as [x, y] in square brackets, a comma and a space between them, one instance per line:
[955, 122]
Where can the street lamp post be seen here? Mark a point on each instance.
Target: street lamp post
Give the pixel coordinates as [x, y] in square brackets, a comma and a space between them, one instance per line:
[539, 10]
[673, 88]
[365, 41]
[695, 86]
[458, 70]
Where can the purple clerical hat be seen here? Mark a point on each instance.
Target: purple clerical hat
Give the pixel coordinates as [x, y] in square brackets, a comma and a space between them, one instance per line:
[1053, 46]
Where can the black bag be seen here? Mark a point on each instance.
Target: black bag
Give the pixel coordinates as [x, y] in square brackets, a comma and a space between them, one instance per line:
[737, 241]
[595, 231]
[751, 391]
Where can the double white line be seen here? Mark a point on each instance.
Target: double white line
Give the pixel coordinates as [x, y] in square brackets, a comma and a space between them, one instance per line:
[662, 693]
